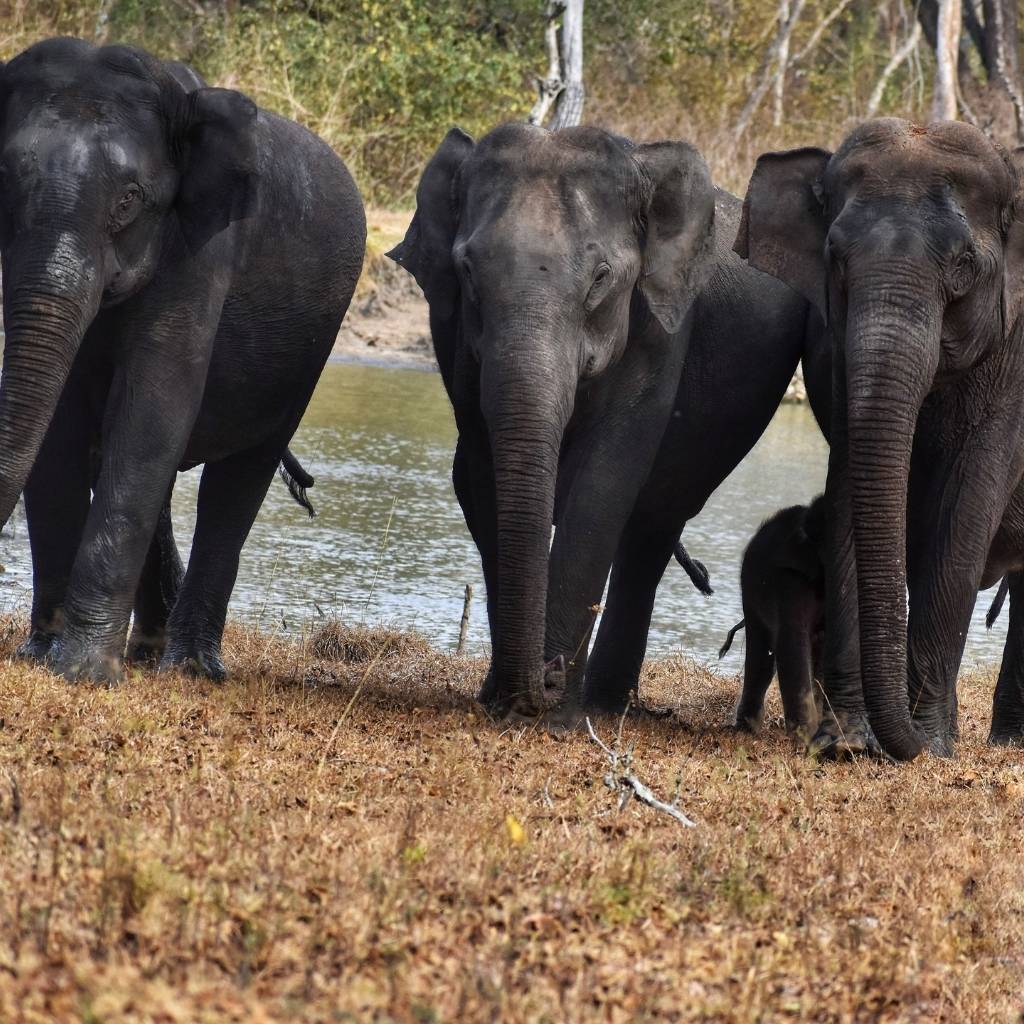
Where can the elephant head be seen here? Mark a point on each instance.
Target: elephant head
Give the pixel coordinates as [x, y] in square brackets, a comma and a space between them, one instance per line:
[108, 167]
[907, 239]
[543, 256]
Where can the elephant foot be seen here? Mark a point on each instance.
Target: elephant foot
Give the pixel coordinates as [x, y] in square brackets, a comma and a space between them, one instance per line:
[842, 736]
[941, 746]
[561, 709]
[194, 660]
[488, 695]
[1007, 729]
[1005, 735]
[750, 721]
[146, 648]
[80, 661]
[36, 646]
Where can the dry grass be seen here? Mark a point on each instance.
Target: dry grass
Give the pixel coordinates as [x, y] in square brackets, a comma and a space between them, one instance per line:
[328, 841]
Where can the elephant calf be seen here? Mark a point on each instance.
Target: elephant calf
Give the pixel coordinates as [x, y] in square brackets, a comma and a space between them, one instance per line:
[783, 583]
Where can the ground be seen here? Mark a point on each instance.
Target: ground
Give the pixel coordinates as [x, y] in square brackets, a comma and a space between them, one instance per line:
[339, 834]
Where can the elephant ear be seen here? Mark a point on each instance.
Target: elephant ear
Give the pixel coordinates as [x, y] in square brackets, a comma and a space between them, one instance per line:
[1013, 261]
[426, 250]
[679, 242]
[218, 163]
[784, 225]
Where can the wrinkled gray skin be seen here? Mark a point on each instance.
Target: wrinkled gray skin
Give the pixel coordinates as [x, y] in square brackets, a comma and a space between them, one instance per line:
[910, 242]
[176, 264]
[560, 269]
[782, 579]
[750, 332]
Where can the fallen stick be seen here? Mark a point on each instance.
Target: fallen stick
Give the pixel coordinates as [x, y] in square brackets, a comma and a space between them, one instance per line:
[464, 624]
[623, 781]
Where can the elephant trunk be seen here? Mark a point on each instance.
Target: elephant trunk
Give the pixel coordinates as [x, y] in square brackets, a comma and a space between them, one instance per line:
[527, 399]
[48, 305]
[892, 344]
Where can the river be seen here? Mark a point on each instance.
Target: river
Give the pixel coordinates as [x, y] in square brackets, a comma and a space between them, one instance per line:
[389, 543]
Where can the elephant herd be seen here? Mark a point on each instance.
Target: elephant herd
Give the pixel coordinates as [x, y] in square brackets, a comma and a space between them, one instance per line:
[614, 334]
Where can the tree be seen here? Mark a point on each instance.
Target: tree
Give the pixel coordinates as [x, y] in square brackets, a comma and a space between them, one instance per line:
[562, 88]
[947, 49]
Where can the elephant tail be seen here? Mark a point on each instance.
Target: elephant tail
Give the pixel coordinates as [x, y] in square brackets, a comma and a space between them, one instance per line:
[724, 649]
[697, 571]
[296, 479]
[997, 602]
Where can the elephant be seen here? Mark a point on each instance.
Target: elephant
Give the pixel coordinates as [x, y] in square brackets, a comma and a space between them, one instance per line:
[560, 269]
[782, 579]
[176, 264]
[743, 319]
[909, 240]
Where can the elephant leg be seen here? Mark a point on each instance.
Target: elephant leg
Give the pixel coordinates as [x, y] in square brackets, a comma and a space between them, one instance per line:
[145, 432]
[758, 669]
[843, 730]
[607, 470]
[955, 501]
[613, 670]
[158, 589]
[1008, 701]
[57, 497]
[795, 659]
[473, 480]
[231, 492]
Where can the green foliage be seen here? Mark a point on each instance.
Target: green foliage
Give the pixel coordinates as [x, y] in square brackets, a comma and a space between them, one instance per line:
[383, 80]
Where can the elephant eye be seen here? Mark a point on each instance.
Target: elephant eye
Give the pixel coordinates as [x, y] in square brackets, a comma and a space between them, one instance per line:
[962, 272]
[595, 294]
[128, 200]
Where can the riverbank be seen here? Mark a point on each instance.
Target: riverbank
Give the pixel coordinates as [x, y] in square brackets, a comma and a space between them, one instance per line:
[338, 833]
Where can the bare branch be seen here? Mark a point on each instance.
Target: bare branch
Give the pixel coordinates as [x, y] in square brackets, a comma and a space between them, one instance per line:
[464, 623]
[894, 63]
[622, 780]
[822, 27]
[787, 22]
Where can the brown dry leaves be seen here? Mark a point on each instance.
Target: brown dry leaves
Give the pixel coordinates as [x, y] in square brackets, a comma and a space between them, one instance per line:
[175, 851]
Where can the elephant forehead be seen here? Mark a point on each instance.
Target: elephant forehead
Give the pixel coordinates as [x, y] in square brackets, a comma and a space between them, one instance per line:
[898, 157]
[569, 199]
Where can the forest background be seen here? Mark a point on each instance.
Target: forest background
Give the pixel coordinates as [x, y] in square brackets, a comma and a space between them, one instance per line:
[383, 80]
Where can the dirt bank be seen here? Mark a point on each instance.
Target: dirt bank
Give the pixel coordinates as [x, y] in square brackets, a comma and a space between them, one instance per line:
[387, 323]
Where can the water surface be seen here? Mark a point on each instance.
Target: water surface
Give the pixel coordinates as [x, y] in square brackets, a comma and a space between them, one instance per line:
[389, 543]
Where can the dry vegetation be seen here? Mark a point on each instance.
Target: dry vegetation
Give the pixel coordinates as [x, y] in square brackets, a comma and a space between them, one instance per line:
[326, 841]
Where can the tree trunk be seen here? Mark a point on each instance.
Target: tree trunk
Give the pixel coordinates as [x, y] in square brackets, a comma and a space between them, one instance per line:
[569, 108]
[1000, 54]
[947, 46]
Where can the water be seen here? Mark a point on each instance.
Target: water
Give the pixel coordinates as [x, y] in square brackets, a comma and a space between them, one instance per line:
[389, 543]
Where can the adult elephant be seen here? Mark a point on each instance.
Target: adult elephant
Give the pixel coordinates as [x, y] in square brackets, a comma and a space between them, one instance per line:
[750, 332]
[910, 239]
[176, 264]
[560, 269]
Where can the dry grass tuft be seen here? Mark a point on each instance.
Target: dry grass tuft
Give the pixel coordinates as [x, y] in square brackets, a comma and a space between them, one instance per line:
[359, 644]
[355, 841]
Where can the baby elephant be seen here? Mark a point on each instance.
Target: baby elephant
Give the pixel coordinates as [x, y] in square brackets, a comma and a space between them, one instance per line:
[783, 583]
